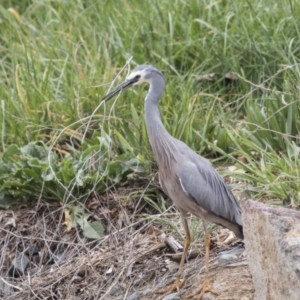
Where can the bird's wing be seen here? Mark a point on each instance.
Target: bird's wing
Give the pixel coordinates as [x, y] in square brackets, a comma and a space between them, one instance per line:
[209, 190]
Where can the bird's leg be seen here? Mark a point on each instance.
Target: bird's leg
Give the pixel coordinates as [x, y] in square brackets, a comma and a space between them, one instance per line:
[178, 283]
[205, 288]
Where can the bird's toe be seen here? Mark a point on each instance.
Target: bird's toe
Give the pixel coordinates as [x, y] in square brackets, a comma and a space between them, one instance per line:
[176, 286]
[205, 288]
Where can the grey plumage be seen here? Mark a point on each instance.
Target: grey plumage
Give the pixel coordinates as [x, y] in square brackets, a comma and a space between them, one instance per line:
[181, 170]
[187, 178]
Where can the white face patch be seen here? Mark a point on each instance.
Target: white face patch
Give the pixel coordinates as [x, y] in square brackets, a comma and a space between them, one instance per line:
[141, 73]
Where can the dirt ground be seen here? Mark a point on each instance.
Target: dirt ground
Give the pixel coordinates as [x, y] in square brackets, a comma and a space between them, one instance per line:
[132, 261]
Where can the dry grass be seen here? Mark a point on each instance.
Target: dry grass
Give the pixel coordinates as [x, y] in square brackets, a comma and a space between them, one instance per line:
[68, 264]
[133, 255]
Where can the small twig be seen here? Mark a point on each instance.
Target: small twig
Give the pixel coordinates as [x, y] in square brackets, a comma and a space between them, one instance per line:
[177, 256]
[256, 86]
[132, 261]
[11, 285]
[260, 86]
[173, 244]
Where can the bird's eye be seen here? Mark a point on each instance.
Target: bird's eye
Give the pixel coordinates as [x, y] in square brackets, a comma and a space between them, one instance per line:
[137, 78]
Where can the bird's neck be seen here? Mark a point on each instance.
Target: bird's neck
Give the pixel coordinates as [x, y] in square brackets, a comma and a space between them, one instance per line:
[158, 136]
[152, 117]
[154, 124]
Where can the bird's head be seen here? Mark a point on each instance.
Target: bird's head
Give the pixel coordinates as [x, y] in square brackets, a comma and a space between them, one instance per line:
[141, 74]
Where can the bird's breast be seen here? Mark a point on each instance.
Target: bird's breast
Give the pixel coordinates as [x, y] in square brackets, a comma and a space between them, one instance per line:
[173, 189]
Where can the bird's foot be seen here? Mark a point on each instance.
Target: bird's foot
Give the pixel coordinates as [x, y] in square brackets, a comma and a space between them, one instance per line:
[174, 287]
[205, 288]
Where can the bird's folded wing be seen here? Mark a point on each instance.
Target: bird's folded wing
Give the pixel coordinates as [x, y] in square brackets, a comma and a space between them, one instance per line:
[208, 190]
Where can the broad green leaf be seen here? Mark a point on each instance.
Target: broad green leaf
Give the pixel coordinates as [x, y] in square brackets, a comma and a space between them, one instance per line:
[10, 151]
[48, 175]
[30, 173]
[124, 143]
[93, 230]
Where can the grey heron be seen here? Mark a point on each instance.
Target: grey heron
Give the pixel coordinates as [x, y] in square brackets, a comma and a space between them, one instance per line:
[186, 177]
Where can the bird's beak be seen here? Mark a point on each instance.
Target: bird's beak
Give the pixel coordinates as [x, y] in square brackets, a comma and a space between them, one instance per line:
[123, 86]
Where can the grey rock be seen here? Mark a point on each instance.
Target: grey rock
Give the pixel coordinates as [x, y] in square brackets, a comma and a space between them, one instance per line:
[60, 257]
[139, 294]
[173, 296]
[31, 250]
[19, 265]
[144, 279]
[35, 259]
[5, 289]
[134, 296]
[272, 240]
[234, 251]
[33, 271]
[162, 282]
[228, 256]
[147, 292]
[208, 296]
[74, 298]
[116, 288]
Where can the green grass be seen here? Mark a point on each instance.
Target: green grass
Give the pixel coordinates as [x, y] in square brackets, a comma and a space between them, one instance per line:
[58, 57]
